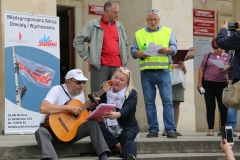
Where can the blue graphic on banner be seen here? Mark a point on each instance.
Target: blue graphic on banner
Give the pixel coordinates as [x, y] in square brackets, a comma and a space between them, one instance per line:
[44, 63]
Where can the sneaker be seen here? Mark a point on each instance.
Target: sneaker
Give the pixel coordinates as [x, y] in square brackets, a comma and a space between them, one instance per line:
[210, 132]
[152, 134]
[164, 133]
[172, 135]
[130, 157]
[179, 134]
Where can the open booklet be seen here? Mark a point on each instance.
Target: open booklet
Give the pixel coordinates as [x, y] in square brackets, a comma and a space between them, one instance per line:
[99, 112]
[185, 54]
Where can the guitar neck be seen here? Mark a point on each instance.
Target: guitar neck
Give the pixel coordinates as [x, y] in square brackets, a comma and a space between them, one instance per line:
[99, 93]
[89, 102]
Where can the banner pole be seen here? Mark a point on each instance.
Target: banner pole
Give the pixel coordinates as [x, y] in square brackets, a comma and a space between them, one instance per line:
[16, 69]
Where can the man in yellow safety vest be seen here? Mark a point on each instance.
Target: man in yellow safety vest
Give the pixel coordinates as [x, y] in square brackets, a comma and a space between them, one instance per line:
[154, 70]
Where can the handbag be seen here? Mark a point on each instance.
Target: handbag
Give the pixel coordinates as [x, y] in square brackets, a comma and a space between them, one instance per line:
[231, 95]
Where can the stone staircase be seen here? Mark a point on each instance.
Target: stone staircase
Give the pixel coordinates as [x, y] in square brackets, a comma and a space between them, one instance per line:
[190, 146]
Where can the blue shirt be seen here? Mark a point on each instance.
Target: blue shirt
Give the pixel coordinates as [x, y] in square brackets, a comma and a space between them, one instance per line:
[172, 43]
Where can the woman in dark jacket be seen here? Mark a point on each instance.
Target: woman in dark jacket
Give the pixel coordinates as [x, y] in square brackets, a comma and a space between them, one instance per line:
[120, 127]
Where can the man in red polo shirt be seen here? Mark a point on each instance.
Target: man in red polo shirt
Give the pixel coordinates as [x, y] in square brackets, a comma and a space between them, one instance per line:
[107, 45]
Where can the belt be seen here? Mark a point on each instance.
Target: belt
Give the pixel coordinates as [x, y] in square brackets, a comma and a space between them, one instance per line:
[153, 69]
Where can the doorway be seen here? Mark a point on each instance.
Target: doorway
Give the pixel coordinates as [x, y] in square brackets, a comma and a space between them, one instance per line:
[67, 34]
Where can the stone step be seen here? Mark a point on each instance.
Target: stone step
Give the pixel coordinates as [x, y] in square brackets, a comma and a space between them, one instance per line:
[170, 156]
[25, 146]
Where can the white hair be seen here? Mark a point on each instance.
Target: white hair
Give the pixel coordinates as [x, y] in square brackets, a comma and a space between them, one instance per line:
[153, 11]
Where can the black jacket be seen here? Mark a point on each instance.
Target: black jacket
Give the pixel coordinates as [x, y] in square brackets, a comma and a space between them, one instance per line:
[231, 43]
[127, 120]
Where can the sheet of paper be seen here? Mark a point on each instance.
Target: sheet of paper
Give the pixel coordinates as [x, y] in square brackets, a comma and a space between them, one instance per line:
[112, 122]
[152, 50]
[99, 112]
[218, 63]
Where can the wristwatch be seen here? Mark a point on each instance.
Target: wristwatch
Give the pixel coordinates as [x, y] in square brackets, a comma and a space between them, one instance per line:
[167, 51]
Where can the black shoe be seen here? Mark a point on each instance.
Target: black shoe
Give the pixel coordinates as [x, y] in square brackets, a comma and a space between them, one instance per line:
[172, 135]
[152, 134]
[121, 155]
[130, 157]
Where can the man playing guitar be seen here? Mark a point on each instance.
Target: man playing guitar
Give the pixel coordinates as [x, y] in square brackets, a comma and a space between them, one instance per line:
[53, 105]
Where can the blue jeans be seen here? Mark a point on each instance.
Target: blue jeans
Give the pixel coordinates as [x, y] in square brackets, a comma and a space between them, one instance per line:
[231, 118]
[161, 78]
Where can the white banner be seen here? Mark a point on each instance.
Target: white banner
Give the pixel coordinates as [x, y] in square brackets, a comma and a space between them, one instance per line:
[32, 67]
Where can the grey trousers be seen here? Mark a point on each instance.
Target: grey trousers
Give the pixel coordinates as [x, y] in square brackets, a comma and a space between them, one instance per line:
[90, 128]
[99, 77]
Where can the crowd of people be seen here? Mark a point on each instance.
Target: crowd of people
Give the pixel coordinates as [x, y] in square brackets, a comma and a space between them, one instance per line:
[107, 56]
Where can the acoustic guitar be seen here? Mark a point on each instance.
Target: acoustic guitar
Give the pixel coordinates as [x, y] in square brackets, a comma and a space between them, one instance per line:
[64, 125]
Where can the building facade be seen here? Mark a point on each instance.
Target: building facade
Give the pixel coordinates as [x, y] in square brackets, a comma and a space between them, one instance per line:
[176, 14]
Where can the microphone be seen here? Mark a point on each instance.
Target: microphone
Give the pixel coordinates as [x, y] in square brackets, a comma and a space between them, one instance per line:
[92, 99]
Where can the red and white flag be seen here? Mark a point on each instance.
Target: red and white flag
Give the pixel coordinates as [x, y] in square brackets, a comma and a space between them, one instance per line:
[34, 72]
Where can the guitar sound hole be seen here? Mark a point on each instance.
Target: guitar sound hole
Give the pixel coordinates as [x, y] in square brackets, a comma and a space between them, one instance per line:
[74, 116]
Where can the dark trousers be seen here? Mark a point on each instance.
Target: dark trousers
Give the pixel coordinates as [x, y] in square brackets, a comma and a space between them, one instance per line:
[46, 140]
[99, 77]
[126, 139]
[213, 92]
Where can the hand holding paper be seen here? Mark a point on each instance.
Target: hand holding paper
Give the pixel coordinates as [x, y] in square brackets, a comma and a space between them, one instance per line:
[113, 115]
[99, 113]
[152, 50]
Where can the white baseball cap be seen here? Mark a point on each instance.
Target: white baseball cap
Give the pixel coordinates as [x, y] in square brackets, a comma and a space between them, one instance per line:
[76, 74]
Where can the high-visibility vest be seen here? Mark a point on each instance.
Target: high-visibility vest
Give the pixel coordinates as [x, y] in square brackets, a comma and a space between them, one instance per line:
[161, 37]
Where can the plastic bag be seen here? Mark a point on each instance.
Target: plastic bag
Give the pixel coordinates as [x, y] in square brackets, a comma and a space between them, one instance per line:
[177, 76]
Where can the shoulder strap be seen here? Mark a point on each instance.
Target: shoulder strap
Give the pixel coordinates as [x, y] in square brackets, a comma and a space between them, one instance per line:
[66, 92]
[206, 66]
[207, 60]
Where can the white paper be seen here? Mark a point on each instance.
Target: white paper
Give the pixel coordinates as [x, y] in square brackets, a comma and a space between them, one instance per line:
[112, 122]
[218, 63]
[152, 50]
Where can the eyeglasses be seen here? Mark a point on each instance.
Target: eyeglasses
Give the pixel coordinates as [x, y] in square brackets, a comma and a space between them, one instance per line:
[115, 13]
[154, 11]
[78, 82]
